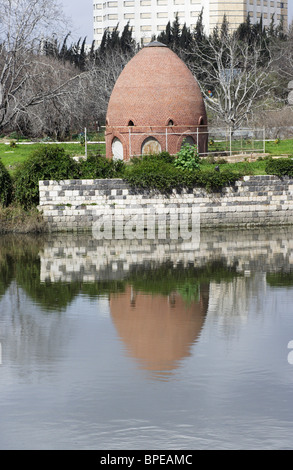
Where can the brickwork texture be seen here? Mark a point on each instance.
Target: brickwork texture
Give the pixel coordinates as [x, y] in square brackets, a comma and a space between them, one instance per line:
[155, 91]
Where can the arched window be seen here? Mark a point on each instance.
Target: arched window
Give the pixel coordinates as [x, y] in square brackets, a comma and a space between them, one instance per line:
[201, 121]
[171, 123]
[150, 146]
[131, 123]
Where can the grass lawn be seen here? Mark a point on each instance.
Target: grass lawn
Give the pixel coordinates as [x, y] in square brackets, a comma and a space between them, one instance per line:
[284, 147]
[250, 168]
[11, 157]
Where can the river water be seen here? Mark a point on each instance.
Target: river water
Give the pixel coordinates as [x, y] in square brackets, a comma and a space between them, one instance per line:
[147, 345]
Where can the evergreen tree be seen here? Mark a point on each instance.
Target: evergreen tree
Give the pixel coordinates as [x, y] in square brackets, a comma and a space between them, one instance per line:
[185, 41]
[176, 32]
[127, 42]
[165, 37]
[199, 34]
[224, 32]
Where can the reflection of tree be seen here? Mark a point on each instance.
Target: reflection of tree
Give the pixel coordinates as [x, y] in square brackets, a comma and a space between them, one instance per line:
[189, 292]
[6, 272]
[102, 288]
[20, 261]
[165, 278]
[280, 279]
[11, 252]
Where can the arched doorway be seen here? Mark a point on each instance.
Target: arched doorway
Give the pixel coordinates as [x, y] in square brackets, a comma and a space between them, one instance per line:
[150, 146]
[188, 140]
[117, 149]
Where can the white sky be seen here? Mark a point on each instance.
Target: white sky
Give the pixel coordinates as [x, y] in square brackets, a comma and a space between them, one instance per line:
[81, 14]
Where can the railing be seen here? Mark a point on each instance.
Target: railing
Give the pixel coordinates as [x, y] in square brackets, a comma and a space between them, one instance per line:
[221, 142]
[228, 142]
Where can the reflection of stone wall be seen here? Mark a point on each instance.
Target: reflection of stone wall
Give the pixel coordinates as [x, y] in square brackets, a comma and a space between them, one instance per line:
[258, 200]
[69, 257]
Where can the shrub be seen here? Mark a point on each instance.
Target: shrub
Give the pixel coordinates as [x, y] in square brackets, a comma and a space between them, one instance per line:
[6, 186]
[97, 166]
[213, 180]
[165, 177]
[48, 162]
[280, 167]
[187, 158]
[151, 174]
[163, 157]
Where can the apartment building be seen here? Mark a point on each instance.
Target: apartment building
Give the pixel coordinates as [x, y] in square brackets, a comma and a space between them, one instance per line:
[150, 17]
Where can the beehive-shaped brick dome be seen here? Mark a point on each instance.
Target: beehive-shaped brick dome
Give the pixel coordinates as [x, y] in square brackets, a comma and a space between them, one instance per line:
[155, 91]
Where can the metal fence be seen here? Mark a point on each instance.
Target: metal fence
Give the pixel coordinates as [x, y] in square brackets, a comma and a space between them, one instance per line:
[221, 142]
[228, 142]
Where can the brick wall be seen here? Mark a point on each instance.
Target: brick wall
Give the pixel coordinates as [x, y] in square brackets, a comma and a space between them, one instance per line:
[79, 204]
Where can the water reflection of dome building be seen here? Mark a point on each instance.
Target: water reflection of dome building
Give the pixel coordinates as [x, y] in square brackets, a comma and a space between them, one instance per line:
[158, 330]
[156, 104]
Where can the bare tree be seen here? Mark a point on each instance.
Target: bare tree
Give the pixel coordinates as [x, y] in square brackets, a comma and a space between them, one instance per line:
[283, 57]
[278, 122]
[54, 110]
[234, 77]
[103, 75]
[24, 71]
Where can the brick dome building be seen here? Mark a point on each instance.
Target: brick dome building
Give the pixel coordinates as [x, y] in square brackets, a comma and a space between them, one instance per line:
[156, 105]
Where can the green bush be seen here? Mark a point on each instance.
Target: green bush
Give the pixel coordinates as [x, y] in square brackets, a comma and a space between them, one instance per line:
[155, 174]
[187, 158]
[151, 174]
[280, 167]
[49, 162]
[6, 186]
[163, 157]
[97, 166]
[212, 180]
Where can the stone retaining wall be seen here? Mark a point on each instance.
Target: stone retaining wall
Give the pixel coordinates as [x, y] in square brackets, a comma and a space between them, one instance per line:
[80, 204]
[70, 257]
